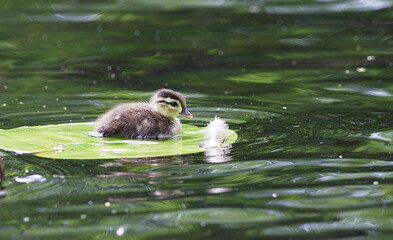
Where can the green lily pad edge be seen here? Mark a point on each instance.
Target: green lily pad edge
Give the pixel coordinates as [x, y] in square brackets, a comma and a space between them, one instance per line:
[71, 141]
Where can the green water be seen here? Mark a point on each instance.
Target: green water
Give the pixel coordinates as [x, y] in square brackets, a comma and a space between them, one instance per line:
[307, 85]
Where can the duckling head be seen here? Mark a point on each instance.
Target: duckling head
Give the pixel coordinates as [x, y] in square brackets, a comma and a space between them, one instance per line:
[169, 103]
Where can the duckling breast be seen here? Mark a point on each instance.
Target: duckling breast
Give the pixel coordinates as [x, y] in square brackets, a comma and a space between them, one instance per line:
[170, 128]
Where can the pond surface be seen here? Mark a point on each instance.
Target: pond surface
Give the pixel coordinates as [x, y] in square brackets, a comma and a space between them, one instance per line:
[306, 84]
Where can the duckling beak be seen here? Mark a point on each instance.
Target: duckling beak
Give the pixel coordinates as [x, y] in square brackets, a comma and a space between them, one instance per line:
[186, 113]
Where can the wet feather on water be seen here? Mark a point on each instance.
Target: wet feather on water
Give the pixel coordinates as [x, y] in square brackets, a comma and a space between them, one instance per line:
[215, 133]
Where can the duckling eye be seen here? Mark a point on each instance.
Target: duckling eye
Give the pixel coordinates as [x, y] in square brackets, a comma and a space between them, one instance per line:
[173, 104]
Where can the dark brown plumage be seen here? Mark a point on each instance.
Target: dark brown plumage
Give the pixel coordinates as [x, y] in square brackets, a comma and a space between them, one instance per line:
[145, 121]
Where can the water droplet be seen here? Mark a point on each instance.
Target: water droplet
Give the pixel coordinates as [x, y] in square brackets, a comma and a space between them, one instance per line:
[83, 216]
[375, 182]
[107, 204]
[26, 219]
[361, 69]
[274, 195]
[370, 58]
[58, 147]
[120, 231]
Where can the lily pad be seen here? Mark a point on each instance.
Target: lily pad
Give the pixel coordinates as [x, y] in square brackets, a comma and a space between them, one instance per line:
[71, 141]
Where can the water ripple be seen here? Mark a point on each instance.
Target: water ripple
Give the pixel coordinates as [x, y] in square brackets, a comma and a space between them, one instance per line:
[65, 17]
[339, 6]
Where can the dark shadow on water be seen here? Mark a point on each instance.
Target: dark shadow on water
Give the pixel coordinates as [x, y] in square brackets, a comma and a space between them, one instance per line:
[152, 161]
[1, 175]
[1, 169]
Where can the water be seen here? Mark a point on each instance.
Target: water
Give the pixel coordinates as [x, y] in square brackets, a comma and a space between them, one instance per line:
[306, 85]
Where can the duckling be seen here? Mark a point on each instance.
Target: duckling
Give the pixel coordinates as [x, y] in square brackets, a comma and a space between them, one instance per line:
[156, 119]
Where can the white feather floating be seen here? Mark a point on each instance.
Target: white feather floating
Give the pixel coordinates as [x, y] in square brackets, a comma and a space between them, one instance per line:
[215, 133]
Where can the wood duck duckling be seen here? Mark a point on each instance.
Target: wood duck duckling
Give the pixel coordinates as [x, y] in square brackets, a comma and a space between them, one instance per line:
[156, 119]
